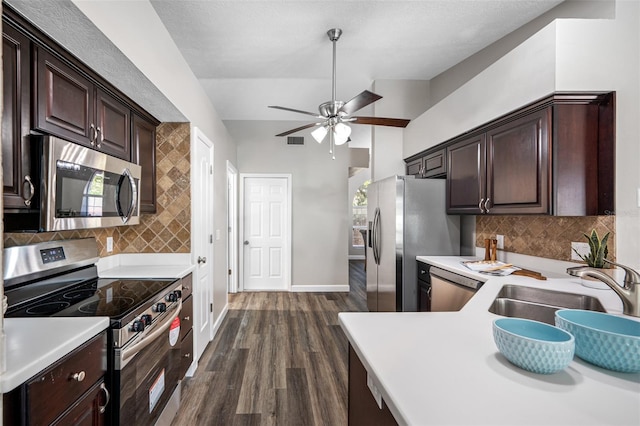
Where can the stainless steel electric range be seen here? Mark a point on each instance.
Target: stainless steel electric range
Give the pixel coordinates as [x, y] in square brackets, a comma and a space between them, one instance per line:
[60, 278]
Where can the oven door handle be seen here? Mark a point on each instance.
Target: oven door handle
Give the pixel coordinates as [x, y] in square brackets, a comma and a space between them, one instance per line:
[149, 338]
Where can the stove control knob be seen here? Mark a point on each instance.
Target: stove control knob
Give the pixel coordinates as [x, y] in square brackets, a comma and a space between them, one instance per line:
[178, 293]
[161, 307]
[172, 297]
[137, 325]
[146, 319]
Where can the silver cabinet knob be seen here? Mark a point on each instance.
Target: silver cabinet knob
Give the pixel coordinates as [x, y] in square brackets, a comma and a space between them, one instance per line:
[78, 377]
[202, 260]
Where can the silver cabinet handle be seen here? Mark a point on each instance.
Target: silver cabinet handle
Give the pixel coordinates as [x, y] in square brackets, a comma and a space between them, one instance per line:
[187, 318]
[92, 135]
[202, 260]
[78, 377]
[107, 396]
[32, 190]
[480, 205]
[99, 137]
[486, 205]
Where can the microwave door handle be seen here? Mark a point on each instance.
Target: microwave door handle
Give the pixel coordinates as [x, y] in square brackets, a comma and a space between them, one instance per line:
[134, 196]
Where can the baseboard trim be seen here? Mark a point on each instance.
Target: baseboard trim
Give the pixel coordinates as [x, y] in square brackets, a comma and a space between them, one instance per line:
[218, 323]
[320, 288]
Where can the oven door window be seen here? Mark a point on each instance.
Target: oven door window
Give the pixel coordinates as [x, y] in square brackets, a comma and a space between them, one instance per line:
[83, 191]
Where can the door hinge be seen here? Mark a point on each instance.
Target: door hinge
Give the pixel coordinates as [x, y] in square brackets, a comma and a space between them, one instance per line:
[229, 271]
[210, 238]
[211, 169]
[211, 307]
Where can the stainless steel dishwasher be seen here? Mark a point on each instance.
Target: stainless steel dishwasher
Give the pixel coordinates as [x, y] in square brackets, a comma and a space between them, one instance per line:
[450, 291]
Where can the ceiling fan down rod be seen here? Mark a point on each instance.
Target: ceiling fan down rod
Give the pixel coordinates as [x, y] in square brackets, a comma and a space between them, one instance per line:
[334, 35]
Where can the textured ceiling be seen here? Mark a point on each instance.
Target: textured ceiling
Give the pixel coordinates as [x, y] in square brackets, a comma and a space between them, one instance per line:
[250, 54]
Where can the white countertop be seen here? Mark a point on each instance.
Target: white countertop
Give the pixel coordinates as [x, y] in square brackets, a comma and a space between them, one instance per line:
[444, 368]
[32, 344]
[146, 265]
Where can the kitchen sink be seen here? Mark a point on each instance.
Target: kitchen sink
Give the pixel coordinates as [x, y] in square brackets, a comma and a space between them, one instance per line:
[539, 304]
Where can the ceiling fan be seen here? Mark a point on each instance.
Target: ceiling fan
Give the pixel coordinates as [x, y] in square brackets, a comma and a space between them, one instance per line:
[334, 114]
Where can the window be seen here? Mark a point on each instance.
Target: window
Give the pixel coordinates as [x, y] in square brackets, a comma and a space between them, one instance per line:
[359, 215]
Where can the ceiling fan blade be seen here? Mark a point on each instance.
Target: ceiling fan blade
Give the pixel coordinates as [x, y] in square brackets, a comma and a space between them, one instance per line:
[297, 129]
[381, 121]
[296, 110]
[362, 100]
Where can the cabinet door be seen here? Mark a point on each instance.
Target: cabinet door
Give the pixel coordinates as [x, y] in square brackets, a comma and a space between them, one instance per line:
[414, 168]
[89, 410]
[435, 164]
[144, 154]
[16, 90]
[65, 100]
[466, 163]
[518, 166]
[113, 123]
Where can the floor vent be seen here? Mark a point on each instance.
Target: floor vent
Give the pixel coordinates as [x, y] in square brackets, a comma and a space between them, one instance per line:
[295, 140]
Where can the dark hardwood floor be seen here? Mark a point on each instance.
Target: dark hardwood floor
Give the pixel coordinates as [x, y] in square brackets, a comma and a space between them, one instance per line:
[278, 359]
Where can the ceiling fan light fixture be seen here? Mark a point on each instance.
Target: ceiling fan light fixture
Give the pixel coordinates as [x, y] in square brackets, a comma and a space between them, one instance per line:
[341, 133]
[319, 134]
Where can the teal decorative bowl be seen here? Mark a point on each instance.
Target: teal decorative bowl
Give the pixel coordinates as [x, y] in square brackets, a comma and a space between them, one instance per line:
[533, 345]
[606, 340]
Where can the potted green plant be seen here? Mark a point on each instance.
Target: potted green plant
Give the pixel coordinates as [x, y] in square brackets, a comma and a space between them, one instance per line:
[598, 250]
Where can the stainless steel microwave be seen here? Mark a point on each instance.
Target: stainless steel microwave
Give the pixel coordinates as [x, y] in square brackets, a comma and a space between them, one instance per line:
[79, 188]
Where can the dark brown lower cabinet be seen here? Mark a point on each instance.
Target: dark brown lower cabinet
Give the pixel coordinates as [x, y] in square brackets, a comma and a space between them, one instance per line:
[363, 408]
[69, 392]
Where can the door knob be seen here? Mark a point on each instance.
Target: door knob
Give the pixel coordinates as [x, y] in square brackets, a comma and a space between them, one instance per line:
[246, 243]
[202, 259]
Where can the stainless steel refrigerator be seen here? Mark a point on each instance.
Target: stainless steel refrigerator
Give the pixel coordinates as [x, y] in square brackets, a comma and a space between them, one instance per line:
[406, 218]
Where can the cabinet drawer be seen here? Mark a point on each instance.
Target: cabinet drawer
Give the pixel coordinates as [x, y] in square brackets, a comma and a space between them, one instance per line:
[187, 286]
[186, 316]
[54, 389]
[186, 353]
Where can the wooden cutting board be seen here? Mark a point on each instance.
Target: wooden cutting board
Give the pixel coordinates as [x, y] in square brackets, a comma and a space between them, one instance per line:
[529, 273]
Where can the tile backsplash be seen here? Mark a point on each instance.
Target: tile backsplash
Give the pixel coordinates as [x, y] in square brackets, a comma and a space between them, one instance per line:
[166, 231]
[544, 236]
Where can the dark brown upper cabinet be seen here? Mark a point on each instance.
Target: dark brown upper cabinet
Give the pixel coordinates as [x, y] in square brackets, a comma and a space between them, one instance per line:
[18, 177]
[503, 170]
[144, 154]
[432, 164]
[71, 106]
[555, 156]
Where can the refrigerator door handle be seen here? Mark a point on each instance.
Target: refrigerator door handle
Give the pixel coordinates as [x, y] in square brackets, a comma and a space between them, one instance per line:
[376, 236]
[369, 236]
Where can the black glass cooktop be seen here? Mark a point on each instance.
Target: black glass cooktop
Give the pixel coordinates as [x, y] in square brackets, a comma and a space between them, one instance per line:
[79, 296]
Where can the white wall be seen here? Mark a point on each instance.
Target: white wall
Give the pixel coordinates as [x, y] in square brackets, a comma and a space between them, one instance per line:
[135, 28]
[320, 214]
[576, 54]
[400, 99]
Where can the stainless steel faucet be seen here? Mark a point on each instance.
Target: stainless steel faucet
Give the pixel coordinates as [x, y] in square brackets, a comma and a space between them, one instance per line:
[629, 291]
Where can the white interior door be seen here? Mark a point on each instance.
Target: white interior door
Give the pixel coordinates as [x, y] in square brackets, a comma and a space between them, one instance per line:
[202, 163]
[266, 233]
[232, 227]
